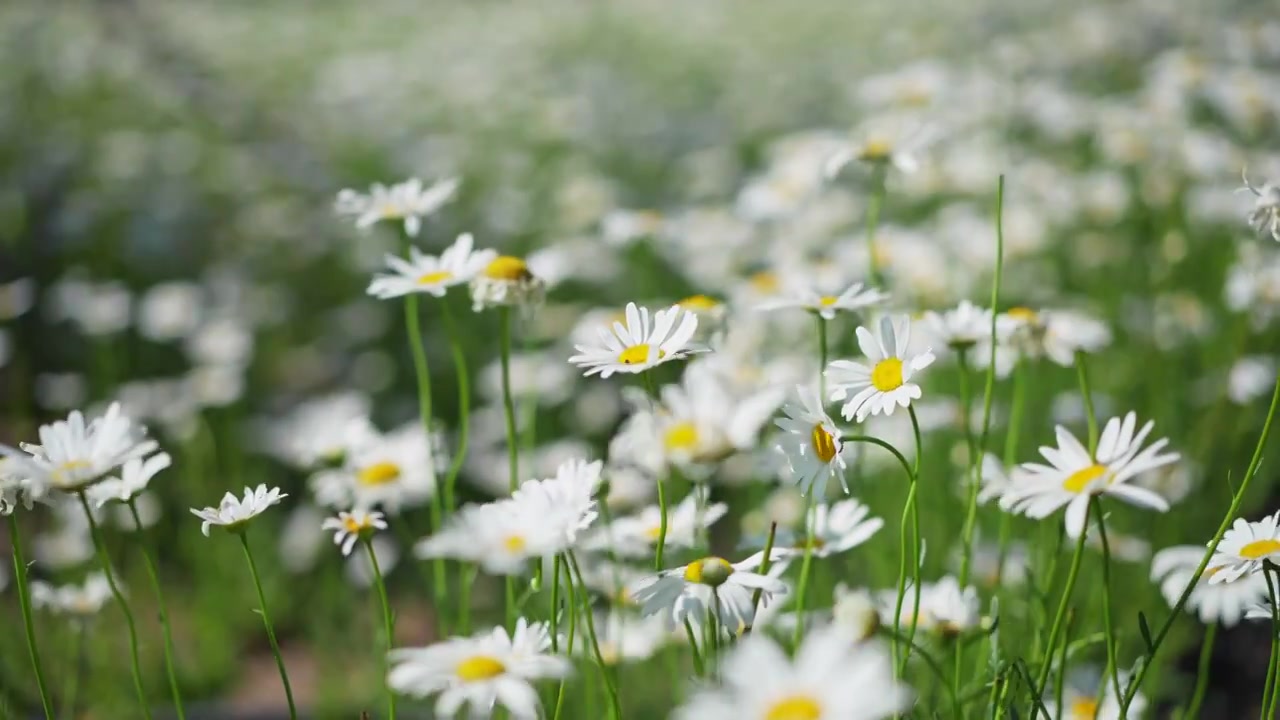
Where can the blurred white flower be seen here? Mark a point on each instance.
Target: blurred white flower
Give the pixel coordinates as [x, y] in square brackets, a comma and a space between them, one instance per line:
[1250, 378]
[1265, 216]
[852, 299]
[506, 281]
[74, 454]
[349, 527]
[1223, 602]
[80, 601]
[132, 479]
[422, 273]
[170, 310]
[408, 201]
[389, 471]
[945, 607]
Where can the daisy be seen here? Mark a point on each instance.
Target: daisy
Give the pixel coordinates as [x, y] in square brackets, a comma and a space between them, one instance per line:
[886, 141]
[961, 328]
[887, 382]
[408, 201]
[1245, 548]
[133, 479]
[349, 527]
[625, 638]
[565, 502]
[74, 454]
[836, 528]
[855, 612]
[831, 678]
[854, 298]
[1072, 476]
[319, 431]
[1063, 333]
[945, 608]
[232, 514]
[1223, 602]
[505, 281]
[639, 345]
[995, 479]
[482, 671]
[390, 471]
[1082, 703]
[81, 601]
[634, 536]
[691, 592]
[423, 273]
[502, 537]
[1265, 216]
[811, 444]
[704, 420]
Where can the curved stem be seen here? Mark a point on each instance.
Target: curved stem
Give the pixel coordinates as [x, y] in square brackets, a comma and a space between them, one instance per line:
[388, 620]
[101, 547]
[913, 503]
[162, 608]
[936, 667]
[24, 601]
[1082, 374]
[698, 666]
[1106, 596]
[572, 606]
[422, 376]
[803, 587]
[1056, 628]
[1202, 672]
[1273, 677]
[266, 622]
[616, 704]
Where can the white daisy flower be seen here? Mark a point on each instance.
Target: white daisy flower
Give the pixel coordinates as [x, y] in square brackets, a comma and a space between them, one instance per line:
[890, 140]
[703, 420]
[1250, 378]
[690, 592]
[423, 273]
[319, 431]
[390, 472]
[506, 281]
[836, 528]
[995, 479]
[1265, 216]
[854, 611]
[349, 527]
[625, 638]
[482, 671]
[1224, 602]
[1063, 333]
[945, 607]
[74, 454]
[811, 444]
[634, 536]
[1073, 476]
[81, 601]
[962, 328]
[565, 502]
[1245, 548]
[1082, 703]
[233, 513]
[884, 385]
[854, 298]
[831, 678]
[639, 345]
[132, 480]
[408, 201]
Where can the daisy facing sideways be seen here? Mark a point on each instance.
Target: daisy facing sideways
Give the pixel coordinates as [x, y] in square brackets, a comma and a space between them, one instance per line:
[636, 535]
[1221, 602]
[233, 513]
[886, 382]
[1073, 476]
[641, 343]
[408, 201]
[811, 443]
[481, 671]
[836, 528]
[693, 591]
[854, 298]
[945, 608]
[423, 273]
[1245, 549]
[350, 527]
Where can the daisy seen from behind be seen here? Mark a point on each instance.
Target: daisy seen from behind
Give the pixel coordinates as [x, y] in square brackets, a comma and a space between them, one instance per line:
[233, 513]
[1245, 549]
[640, 344]
[1222, 602]
[885, 383]
[692, 592]
[422, 273]
[854, 298]
[811, 443]
[350, 527]
[408, 201]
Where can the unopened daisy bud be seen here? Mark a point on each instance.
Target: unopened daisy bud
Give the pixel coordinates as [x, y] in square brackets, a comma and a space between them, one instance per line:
[506, 281]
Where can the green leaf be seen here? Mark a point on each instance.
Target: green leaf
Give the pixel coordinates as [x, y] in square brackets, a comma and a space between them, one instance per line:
[1146, 632]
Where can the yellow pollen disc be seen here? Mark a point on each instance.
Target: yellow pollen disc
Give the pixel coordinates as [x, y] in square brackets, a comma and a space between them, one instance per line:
[514, 543]
[699, 302]
[877, 149]
[827, 300]
[708, 569]
[1078, 480]
[507, 267]
[432, 278]
[795, 707]
[764, 282]
[681, 436]
[653, 532]
[352, 525]
[1084, 709]
[71, 466]
[887, 374]
[480, 667]
[380, 473]
[1260, 549]
[1024, 314]
[637, 354]
[824, 445]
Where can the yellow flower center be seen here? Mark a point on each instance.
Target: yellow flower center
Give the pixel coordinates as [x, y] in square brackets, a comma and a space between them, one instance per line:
[764, 282]
[887, 374]
[507, 267]
[1084, 709]
[1077, 481]
[877, 149]
[711, 571]
[795, 707]
[514, 544]
[681, 436]
[352, 525]
[828, 300]
[479, 667]
[1260, 549]
[637, 354]
[71, 466]
[379, 473]
[824, 445]
[653, 532]
[1023, 314]
[699, 303]
[432, 278]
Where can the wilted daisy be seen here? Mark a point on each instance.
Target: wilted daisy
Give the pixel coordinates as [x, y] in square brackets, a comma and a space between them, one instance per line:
[1245, 548]
[423, 273]
[482, 671]
[74, 454]
[505, 281]
[961, 328]
[1265, 216]
[408, 201]
[1222, 602]
[691, 592]
[132, 479]
[831, 678]
[81, 600]
[233, 513]
[636, 535]
[811, 443]
[836, 528]
[886, 383]
[1073, 475]
[639, 344]
[854, 298]
[349, 527]
[945, 607]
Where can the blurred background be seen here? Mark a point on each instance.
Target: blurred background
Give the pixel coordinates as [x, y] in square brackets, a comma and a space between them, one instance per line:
[169, 241]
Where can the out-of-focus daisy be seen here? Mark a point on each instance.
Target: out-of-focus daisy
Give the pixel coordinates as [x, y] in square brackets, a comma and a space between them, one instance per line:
[349, 527]
[482, 671]
[986, 566]
[854, 298]
[233, 513]
[961, 328]
[1073, 476]
[132, 479]
[703, 420]
[1265, 216]
[408, 201]
[854, 611]
[1081, 703]
[995, 480]
[635, 535]
[565, 502]
[506, 281]
[831, 678]
[811, 443]
[945, 607]
[80, 601]
[836, 528]
[74, 454]
[886, 383]
[423, 273]
[691, 592]
[626, 638]
[1223, 602]
[889, 140]
[390, 471]
[319, 431]
[1250, 378]
[640, 344]
[1060, 334]
[1245, 548]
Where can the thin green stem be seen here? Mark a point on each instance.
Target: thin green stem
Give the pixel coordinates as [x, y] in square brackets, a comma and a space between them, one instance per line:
[615, 702]
[913, 504]
[936, 668]
[1056, 628]
[464, 598]
[805, 567]
[874, 203]
[822, 358]
[101, 548]
[713, 632]
[572, 606]
[162, 608]
[266, 623]
[24, 601]
[988, 393]
[647, 378]
[971, 475]
[388, 620]
[1082, 373]
[513, 449]
[1268, 687]
[764, 568]
[422, 376]
[555, 604]
[464, 409]
[1016, 407]
[1202, 672]
[1106, 595]
[70, 691]
[698, 666]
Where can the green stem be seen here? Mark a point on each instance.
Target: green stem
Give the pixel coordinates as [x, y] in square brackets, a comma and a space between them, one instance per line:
[764, 568]
[1106, 595]
[802, 590]
[936, 668]
[101, 547]
[971, 505]
[1056, 628]
[1273, 573]
[988, 393]
[874, 202]
[662, 494]
[266, 623]
[388, 620]
[464, 409]
[1017, 404]
[162, 609]
[698, 666]
[822, 359]
[70, 693]
[422, 376]
[24, 601]
[595, 643]
[513, 449]
[555, 604]
[572, 607]
[1202, 672]
[913, 503]
[1083, 375]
